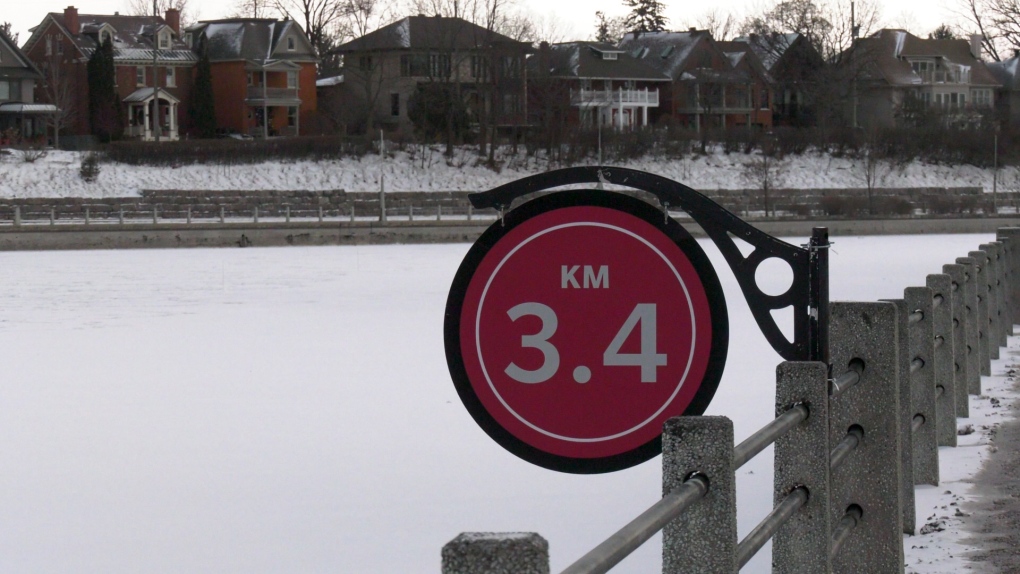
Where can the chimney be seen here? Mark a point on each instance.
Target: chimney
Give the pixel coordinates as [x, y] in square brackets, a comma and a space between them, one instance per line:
[692, 29]
[71, 20]
[975, 45]
[173, 19]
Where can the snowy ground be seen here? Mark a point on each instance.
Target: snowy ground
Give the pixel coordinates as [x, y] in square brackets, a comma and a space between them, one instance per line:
[56, 175]
[290, 410]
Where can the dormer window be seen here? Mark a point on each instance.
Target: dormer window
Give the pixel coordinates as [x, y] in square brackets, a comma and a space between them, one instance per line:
[291, 44]
[608, 55]
[164, 40]
[187, 39]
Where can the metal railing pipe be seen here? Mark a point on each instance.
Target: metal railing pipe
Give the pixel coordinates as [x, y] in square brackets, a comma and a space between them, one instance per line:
[939, 341]
[917, 422]
[936, 301]
[915, 317]
[844, 528]
[626, 540]
[762, 533]
[842, 450]
[768, 434]
[840, 384]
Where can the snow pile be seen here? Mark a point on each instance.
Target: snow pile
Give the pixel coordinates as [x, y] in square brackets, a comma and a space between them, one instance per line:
[426, 169]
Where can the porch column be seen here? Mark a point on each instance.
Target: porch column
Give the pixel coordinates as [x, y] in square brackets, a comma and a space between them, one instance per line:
[145, 123]
[697, 107]
[173, 121]
[265, 108]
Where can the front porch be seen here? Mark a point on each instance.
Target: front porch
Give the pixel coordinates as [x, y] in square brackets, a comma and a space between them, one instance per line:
[28, 121]
[273, 98]
[620, 108]
[148, 113]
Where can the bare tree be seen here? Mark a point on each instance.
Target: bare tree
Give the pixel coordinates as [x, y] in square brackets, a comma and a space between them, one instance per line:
[721, 25]
[320, 19]
[144, 8]
[608, 29]
[5, 30]
[253, 9]
[59, 90]
[363, 16]
[870, 167]
[765, 172]
[827, 25]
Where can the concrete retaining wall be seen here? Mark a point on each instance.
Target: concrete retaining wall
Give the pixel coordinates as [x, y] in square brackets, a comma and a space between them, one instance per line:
[168, 235]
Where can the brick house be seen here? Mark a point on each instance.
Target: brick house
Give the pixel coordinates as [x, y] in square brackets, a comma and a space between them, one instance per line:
[263, 74]
[153, 67]
[386, 67]
[711, 86]
[794, 67]
[595, 83]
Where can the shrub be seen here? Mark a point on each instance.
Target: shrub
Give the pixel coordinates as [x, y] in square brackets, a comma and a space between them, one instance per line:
[89, 170]
[32, 152]
[893, 206]
[843, 206]
[237, 152]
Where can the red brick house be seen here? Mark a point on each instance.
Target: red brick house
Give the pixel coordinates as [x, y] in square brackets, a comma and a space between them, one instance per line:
[154, 67]
[262, 70]
[711, 86]
[597, 83]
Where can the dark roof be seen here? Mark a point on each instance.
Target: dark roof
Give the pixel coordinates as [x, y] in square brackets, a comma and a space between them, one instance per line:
[889, 50]
[250, 39]
[666, 51]
[429, 33]
[584, 60]
[740, 52]
[1006, 72]
[770, 49]
[133, 37]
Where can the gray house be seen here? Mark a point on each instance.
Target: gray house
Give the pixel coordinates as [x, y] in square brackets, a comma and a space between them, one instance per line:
[18, 110]
[902, 74]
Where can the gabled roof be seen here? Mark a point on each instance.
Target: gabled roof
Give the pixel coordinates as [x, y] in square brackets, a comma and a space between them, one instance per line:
[133, 36]
[14, 63]
[251, 39]
[667, 51]
[1007, 72]
[890, 52]
[740, 53]
[770, 49]
[430, 33]
[585, 60]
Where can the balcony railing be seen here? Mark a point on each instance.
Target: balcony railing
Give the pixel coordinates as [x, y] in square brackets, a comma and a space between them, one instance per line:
[260, 93]
[586, 97]
[951, 76]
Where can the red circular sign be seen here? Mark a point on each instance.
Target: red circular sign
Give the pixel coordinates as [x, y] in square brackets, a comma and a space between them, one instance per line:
[582, 327]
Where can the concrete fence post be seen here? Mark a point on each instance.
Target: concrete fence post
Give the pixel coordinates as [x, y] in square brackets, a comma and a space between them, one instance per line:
[17, 215]
[924, 443]
[1003, 315]
[959, 323]
[189, 215]
[802, 458]
[470, 210]
[120, 215]
[869, 479]
[908, 514]
[983, 320]
[88, 219]
[941, 286]
[53, 216]
[255, 214]
[705, 541]
[155, 215]
[973, 313]
[410, 213]
[382, 205]
[1012, 236]
[352, 212]
[320, 214]
[439, 213]
[223, 215]
[994, 308]
[496, 553]
[287, 214]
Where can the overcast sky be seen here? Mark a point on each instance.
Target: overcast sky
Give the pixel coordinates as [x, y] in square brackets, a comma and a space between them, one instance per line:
[573, 19]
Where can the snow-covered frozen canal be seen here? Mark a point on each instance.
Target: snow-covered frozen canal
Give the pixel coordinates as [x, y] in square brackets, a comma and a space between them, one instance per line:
[290, 410]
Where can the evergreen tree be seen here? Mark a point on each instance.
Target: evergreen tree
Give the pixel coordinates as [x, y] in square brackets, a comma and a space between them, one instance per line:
[608, 29]
[203, 104]
[943, 32]
[104, 106]
[645, 16]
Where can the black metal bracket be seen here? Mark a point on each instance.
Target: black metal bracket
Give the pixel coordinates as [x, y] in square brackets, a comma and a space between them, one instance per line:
[808, 293]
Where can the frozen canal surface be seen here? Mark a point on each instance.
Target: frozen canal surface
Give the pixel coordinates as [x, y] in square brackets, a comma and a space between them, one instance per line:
[290, 410]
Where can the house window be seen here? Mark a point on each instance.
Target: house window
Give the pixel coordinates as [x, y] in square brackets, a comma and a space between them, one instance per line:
[291, 44]
[763, 96]
[511, 103]
[608, 55]
[511, 67]
[292, 80]
[365, 63]
[292, 116]
[953, 100]
[251, 79]
[171, 77]
[187, 39]
[140, 76]
[981, 98]
[5, 90]
[49, 45]
[164, 41]
[439, 65]
[479, 67]
[394, 105]
[60, 47]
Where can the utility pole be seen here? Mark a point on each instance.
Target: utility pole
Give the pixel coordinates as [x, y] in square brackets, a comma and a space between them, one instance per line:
[995, 175]
[157, 128]
[853, 62]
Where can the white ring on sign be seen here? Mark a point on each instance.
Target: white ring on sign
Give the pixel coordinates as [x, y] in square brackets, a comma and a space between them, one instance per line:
[481, 304]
